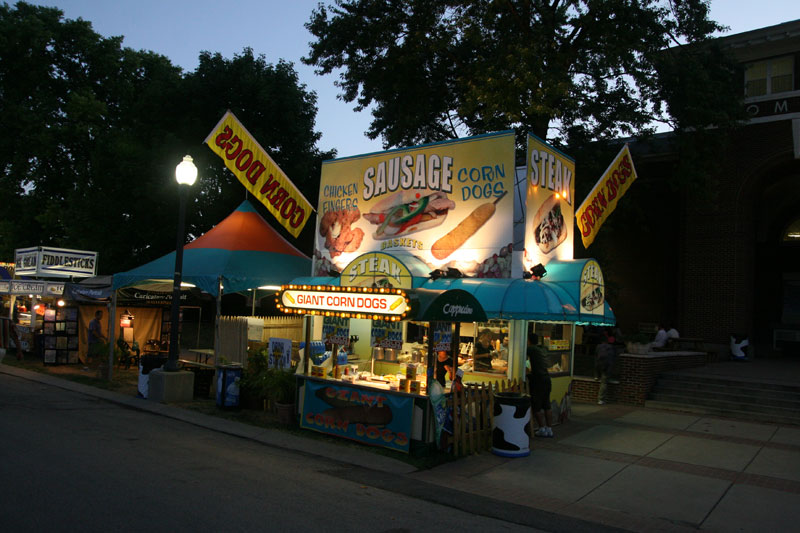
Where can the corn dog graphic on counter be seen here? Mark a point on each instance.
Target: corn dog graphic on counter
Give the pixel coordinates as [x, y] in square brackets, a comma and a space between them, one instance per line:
[465, 229]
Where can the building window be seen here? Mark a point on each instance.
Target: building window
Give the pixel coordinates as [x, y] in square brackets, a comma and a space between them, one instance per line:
[769, 77]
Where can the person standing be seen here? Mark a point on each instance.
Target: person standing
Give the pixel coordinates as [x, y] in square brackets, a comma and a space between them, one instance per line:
[482, 361]
[95, 336]
[539, 386]
[444, 366]
[604, 361]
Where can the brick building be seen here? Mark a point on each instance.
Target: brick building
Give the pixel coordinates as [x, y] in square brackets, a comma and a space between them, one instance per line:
[728, 263]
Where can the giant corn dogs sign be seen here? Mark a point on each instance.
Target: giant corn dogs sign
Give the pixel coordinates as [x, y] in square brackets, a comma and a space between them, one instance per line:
[259, 174]
[550, 204]
[447, 204]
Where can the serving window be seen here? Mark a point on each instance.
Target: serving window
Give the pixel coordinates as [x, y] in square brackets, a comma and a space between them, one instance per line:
[485, 349]
[556, 340]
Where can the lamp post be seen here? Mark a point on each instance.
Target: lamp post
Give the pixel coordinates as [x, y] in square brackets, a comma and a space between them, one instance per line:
[185, 175]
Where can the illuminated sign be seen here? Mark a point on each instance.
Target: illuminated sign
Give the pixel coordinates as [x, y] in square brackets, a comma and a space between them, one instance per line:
[54, 262]
[347, 302]
[36, 288]
[376, 269]
[592, 289]
[549, 203]
[445, 204]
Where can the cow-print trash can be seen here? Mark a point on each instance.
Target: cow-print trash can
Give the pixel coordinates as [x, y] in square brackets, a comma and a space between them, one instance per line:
[511, 428]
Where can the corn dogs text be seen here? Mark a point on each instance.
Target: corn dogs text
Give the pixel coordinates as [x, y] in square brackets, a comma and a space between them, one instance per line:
[464, 230]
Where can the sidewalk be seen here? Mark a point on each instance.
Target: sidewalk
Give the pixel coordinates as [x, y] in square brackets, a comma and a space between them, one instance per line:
[648, 470]
[622, 467]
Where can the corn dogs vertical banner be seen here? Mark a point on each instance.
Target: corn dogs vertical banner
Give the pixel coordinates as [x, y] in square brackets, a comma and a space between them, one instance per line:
[602, 201]
[449, 205]
[259, 174]
[550, 209]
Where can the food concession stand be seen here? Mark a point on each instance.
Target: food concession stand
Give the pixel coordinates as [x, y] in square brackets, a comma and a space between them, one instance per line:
[413, 265]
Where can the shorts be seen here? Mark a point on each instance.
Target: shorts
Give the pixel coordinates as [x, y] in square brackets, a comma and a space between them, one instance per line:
[540, 393]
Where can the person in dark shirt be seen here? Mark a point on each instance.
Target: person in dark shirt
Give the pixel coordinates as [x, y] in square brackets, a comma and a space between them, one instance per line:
[604, 360]
[539, 386]
[482, 359]
[444, 365]
[95, 337]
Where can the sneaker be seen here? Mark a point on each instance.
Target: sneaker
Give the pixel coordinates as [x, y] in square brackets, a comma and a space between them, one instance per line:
[549, 432]
[600, 402]
[541, 432]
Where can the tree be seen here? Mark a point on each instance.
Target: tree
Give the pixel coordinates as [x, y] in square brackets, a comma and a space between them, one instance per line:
[276, 109]
[568, 70]
[94, 131]
[82, 111]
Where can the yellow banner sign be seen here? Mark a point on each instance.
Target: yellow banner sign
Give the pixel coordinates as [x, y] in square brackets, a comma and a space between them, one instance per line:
[259, 174]
[602, 201]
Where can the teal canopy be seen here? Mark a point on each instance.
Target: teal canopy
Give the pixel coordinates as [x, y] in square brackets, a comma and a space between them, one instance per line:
[554, 298]
[243, 252]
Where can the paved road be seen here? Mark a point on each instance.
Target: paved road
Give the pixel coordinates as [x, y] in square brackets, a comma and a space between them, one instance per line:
[73, 461]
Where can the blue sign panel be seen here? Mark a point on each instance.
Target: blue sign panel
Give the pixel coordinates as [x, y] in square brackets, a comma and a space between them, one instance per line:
[371, 416]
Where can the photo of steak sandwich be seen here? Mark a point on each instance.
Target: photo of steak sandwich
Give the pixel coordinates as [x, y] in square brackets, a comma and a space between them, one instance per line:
[549, 228]
[405, 212]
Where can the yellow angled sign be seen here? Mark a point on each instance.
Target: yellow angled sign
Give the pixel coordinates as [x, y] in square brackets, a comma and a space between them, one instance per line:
[259, 174]
[602, 201]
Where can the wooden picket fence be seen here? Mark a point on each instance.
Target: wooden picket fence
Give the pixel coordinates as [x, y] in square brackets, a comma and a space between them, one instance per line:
[233, 339]
[473, 414]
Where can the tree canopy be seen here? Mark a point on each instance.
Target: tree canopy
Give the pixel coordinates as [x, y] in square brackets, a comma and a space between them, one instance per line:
[93, 132]
[568, 70]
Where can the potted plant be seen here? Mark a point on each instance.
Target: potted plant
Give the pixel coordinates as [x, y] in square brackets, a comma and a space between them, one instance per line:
[638, 343]
[254, 385]
[282, 388]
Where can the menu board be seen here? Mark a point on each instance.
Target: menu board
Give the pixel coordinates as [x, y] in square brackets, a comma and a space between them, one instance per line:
[442, 336]
[387, 334]
[336, 330]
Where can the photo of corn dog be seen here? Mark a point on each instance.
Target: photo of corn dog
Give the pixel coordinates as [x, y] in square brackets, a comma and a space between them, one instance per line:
[465, 229]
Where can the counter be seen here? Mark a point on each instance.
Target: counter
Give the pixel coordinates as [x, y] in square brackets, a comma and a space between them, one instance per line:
[366, 412]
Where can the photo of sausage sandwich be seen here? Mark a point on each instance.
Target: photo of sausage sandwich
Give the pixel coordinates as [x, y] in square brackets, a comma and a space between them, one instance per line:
[406, 212]
[549, 228]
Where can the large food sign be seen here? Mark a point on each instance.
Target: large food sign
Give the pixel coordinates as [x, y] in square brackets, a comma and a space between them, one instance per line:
[445, 203]
[550, 204]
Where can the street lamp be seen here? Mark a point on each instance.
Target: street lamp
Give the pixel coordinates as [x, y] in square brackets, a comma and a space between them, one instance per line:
[185, 175]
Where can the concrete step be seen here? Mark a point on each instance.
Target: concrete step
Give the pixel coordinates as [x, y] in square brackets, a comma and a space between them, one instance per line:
[732, 405]
[733, 394]
[774, 417]
[729, 381]
[724, 396]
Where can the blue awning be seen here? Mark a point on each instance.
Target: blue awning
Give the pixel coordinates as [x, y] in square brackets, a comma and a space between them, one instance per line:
[555, 298]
